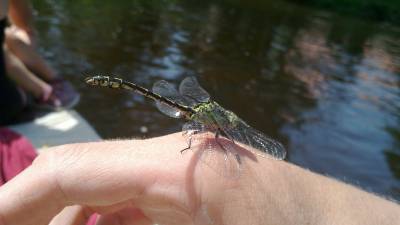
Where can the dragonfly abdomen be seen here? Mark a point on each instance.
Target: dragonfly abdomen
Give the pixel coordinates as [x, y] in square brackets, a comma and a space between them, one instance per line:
[118, 83]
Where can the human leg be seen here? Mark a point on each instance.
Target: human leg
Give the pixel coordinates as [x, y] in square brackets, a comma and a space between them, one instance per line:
[20, 46]
[17, 71]
[27, 53]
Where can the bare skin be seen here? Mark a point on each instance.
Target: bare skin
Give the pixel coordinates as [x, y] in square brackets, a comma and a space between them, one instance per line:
[22, 45]
[150, 181]
[24, 64]
[28, 81]
[21, 13]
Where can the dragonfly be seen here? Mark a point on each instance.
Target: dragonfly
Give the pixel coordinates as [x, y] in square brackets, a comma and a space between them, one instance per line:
[192, 103]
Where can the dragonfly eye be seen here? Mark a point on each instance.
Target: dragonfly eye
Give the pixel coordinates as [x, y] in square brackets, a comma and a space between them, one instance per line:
[91, 81]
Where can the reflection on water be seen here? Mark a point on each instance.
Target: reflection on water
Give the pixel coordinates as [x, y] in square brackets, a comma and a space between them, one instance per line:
[325, 85]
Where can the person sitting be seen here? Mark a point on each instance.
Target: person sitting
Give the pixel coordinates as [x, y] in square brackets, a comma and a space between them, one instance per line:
[34, 75]
[27, 68]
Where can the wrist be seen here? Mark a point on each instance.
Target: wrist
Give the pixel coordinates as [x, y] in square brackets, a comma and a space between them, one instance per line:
[259, 195]
[270, 192]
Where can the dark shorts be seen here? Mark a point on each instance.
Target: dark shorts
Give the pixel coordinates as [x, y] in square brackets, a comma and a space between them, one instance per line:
[11, 102]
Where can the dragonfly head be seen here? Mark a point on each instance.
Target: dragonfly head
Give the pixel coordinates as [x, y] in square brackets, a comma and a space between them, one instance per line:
[98, 80]
[94, 81]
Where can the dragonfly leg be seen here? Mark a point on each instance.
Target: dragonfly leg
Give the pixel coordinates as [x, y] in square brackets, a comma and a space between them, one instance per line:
[191, 133]
[189, 144]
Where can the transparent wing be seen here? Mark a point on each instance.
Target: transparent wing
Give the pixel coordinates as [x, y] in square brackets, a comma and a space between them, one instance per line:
[209, 152]
[167, 90]
[190, 89]
[239, 131]
[193, 127]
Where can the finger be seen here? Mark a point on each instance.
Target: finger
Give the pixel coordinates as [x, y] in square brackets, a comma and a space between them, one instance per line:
[72, 215]
[131, 216]
[29, 193]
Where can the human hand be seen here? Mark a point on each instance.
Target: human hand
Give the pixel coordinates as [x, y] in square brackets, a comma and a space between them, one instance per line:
[150, 181]
[132, 182]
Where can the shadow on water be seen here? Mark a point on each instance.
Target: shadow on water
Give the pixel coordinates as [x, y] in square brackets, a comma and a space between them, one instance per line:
[325, 85]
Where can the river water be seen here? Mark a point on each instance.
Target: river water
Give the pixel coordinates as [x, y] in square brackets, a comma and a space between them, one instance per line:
[325, 85]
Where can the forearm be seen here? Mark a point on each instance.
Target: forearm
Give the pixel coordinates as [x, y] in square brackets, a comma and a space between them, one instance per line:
[291, 195]
[21, 14]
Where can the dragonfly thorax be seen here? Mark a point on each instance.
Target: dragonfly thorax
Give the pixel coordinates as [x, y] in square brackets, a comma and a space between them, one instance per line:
[203, 111]
[211, 112]
[205, 107]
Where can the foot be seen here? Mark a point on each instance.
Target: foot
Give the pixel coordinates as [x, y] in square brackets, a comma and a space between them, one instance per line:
[50, 103]
[65, 93]
[62, 96]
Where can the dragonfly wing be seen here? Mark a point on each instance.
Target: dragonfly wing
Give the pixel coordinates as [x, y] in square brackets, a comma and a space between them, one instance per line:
[168, 91]
[192, 126]
[221, 162]
[239, 131]
[190, 89]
